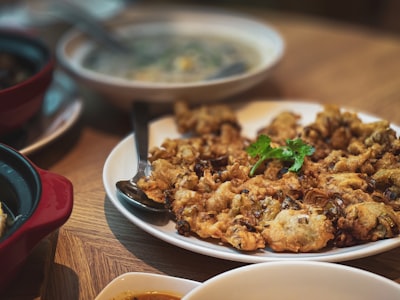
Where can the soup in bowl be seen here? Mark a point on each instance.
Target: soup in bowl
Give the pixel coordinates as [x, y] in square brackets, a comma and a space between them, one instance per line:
[174, 54]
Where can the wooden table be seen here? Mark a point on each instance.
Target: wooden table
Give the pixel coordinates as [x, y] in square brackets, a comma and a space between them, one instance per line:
[324, 61]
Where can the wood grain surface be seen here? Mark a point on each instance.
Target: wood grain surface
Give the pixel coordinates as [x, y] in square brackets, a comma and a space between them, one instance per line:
[324, 61]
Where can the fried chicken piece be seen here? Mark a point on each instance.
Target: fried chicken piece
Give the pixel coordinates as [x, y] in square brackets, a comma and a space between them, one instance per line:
[298, 231]
[368, 221]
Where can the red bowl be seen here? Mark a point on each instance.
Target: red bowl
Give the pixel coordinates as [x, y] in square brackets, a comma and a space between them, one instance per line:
[40, 200]
[19, 102]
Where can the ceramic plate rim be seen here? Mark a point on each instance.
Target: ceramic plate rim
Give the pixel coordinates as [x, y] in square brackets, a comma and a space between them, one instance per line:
[213, 249]
[60, 110]
[72, 111]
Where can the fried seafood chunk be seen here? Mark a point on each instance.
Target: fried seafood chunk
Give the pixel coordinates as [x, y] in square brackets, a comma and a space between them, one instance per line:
[3, 221]
[368, 221]
[240, 237]
[283, 126]
[388, 180]
[351, 187]
[204, 119]
[224, 215]
[346, 193]
[330, 131]
[298, 231]
[165, 176]
[387, 177]
[336, 130]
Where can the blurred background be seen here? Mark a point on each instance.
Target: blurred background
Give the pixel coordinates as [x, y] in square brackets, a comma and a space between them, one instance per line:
[376, 14]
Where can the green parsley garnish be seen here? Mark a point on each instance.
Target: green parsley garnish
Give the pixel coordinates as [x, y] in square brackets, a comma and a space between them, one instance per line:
[295, 151]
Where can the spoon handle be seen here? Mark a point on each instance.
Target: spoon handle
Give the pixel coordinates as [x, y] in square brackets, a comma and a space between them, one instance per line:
[140, 118]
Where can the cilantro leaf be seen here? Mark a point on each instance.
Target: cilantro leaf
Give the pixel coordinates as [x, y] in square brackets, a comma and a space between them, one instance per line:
[299, 151]
[295, 151]
[262, 145]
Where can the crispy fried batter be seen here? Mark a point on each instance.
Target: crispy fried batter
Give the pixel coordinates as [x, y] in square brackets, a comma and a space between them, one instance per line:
[204, 119]
[3, 221]
[347, 192]
[283, 126]
[369, 221]
[298, 231]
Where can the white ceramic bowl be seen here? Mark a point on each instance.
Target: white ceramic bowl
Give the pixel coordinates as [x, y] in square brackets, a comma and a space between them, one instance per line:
[265, 40]
[296, 280]
[144, 282]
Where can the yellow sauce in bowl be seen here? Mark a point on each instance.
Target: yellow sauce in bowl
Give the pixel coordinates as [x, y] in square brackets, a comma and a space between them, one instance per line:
[128, 295]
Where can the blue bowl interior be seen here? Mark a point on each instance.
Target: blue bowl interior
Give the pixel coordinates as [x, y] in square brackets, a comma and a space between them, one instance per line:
[20, 188]
[28, 48]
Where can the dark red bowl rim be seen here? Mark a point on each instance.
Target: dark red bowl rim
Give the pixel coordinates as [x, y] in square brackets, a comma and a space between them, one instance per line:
[52, 206]
[46, 68]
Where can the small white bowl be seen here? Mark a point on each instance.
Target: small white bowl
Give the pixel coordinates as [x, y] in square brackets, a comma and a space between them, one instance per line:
[266, 41]
[296, 280]
[144, 282]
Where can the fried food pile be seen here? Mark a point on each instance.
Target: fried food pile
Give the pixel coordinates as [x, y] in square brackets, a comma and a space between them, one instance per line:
[346, 193]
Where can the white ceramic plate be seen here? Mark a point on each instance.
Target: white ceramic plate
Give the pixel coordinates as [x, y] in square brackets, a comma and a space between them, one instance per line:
[122, 164]
[60, 111]
[296, 280]
[264, 39]
[146, 282]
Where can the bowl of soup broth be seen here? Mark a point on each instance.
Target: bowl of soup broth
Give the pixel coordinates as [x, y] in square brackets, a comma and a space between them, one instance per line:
[174, 53]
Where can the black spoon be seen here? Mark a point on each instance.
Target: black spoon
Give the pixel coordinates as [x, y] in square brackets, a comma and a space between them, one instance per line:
[128, 189]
